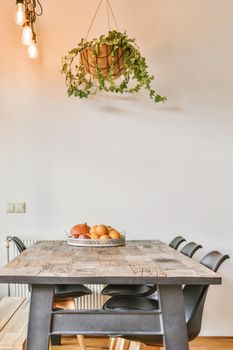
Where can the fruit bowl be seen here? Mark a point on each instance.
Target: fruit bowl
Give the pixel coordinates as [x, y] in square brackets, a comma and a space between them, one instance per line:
[82, 235]
[81, 242]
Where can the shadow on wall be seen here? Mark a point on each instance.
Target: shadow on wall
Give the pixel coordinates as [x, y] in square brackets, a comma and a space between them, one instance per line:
[128, 104]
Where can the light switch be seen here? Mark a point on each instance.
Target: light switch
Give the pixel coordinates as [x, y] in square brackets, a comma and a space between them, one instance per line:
[16, 207]
[20, 207]
[10, 208]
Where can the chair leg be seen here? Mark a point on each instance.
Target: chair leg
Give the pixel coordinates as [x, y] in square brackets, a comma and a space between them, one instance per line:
[135, 345]
[67, 304]
[81, 342]
[122, 344]
[112, 343]
[125, 345]
[56, 339]
[80, 337]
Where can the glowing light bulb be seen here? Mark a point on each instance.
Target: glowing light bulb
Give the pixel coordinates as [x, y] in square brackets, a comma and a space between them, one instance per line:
[32, 50]
[20, 17]
[27, 35]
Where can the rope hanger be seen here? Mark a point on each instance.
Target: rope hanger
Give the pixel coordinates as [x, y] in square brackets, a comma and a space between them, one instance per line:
[109, 11]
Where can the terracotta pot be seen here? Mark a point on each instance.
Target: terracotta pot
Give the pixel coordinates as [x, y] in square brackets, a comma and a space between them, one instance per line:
[104, 60]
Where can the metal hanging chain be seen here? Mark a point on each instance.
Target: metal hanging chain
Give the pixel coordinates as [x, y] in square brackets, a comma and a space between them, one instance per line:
[109, 8]
[109, 24]
[113, 16]
[94, 17]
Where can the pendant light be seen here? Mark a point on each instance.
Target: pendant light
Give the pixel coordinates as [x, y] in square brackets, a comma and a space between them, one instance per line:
[20, 14]
[25, 16]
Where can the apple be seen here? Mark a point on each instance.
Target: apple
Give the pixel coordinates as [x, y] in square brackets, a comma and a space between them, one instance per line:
[84, 237]
[80, 229]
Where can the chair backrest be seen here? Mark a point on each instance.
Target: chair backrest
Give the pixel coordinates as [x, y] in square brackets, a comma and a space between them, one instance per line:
[21, 247]
[195, 295]
[19, 244]
[177, 241]
[190, 249]
[194, 299]
[214, 260]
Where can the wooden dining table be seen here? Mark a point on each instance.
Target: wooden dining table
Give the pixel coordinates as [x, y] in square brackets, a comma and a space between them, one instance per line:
[49, 263]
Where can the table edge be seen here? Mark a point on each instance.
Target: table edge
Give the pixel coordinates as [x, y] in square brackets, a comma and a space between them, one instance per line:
[110, 280]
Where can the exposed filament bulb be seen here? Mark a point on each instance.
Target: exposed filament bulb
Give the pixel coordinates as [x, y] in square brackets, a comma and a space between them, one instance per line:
[32, 50]
[27, 35]
[20, 16]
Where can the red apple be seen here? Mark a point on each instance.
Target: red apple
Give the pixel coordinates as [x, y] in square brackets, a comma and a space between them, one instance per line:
[84, 237]
[80, 229]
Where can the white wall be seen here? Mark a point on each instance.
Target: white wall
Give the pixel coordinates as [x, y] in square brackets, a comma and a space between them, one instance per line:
[154, 170]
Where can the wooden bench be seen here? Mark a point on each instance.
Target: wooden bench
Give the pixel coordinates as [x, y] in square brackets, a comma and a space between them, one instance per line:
[14, 320]
[13, 323]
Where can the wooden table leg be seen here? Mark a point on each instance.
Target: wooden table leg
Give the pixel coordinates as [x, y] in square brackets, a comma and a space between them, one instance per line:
[173, 317]
[40, 317]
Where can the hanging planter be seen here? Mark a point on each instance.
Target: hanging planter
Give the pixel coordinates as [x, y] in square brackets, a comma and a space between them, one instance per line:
[102, 60]
[111, 63]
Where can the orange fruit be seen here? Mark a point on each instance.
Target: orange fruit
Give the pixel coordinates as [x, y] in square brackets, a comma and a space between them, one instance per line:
[94, 236]
[101, 230]
[105, 237]
[93, 229]
[114, 234]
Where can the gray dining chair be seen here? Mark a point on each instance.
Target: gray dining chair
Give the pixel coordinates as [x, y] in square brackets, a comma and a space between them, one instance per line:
[142, 290]
[176, 242]
[190, 249]
[64, 295]
[194, 300]
[62, 292]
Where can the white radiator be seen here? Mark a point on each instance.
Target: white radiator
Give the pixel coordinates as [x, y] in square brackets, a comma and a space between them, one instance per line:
[94, 301]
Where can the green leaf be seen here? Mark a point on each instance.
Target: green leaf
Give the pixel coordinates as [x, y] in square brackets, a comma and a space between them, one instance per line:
[136, 76]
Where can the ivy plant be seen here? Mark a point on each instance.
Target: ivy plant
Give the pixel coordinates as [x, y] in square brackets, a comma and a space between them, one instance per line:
[136, 77]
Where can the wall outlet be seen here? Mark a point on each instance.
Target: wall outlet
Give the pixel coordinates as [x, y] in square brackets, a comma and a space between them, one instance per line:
[16, 208]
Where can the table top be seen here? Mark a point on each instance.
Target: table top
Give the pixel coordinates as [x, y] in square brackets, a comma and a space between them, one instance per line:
[144, 261]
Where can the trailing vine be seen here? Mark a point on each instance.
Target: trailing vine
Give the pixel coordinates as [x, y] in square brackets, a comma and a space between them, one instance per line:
[135, 77]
